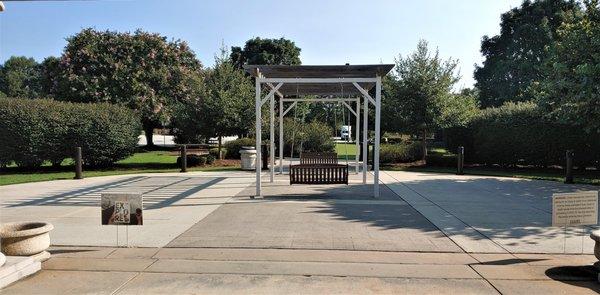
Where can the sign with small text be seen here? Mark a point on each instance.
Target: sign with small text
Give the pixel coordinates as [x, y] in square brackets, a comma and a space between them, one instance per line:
[573, 209]
[121, 209]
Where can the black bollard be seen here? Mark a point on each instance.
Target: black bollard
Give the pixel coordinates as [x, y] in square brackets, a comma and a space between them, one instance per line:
[78, 163]
[264, 152]
[460, 155]
[569, 168]
[184, 158]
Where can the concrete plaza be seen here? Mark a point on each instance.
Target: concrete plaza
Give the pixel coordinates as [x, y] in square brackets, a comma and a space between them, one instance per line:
[427, 234]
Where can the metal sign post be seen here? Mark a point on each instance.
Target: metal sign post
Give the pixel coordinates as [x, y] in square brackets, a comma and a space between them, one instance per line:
[574, 209]
[122, 209]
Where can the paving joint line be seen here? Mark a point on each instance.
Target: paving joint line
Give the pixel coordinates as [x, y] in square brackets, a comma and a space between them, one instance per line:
[440, 207]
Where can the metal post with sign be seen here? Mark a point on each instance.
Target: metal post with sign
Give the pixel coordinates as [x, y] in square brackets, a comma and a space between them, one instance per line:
[575, 209]
[121, 209]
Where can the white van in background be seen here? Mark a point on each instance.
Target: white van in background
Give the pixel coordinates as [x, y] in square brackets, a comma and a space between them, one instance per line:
[346, 132]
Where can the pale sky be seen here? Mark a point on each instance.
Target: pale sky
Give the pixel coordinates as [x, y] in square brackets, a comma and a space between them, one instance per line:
[328, 31]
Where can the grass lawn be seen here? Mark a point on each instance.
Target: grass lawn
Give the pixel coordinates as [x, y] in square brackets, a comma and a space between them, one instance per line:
[587, 177]
[142, 162]
[345, 149]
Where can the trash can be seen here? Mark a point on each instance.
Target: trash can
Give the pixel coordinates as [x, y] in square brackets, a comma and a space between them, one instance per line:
[248, 156]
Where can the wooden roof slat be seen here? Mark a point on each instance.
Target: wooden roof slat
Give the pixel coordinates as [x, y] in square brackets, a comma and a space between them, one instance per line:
[320, 71]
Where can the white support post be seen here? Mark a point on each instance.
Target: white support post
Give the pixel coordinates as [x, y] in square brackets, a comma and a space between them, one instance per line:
[281, 135]
[272, 138]
[365, 153]
[377, 136]
[356, 134]
[257, 108]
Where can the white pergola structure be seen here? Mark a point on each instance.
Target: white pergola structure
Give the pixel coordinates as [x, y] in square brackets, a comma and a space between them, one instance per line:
[331, 83]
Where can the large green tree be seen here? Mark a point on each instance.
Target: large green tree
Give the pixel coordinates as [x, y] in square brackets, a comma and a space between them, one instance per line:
[417, 93]
[20, 77]
[49, 73]
[144, 71]
[515, 58]
[259, 51]
[571, 92]
[226, 107]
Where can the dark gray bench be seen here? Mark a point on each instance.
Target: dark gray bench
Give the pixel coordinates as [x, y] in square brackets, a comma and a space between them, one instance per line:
[319, 168]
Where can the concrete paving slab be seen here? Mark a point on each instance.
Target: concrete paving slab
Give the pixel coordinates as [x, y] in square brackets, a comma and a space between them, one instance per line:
[558, 259]
[492, 214]
[314, 268]
[172, 203]
[158, 283]
[312, 225]
[528, 287]
[468, 238]
[70, 282]
[496, 259]
[129, 253]
[536, 272]
[97, 264]
[314, 256]
[80, 252]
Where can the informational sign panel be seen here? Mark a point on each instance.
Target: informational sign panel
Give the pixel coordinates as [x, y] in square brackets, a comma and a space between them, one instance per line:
[122, 209]
[573, 209]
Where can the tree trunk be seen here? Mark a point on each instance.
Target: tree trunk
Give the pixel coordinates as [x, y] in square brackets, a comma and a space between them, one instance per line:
[220, 146]
[424, 145]
[149, 130]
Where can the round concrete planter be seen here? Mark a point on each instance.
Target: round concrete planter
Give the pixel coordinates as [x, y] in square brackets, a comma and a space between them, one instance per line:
[595, 235]
[248, 159]
[25, 238]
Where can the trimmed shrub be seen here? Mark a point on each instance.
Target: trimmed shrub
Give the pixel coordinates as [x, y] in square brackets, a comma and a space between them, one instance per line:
[233, 147]
[521, 134]
[316, 137]
[401, 153]
[442, 160]
[45, 130]
[196, 160]
[210, 159]
[192, 160]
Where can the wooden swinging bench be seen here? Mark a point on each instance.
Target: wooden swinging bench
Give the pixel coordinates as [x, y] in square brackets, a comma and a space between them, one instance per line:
[319, 168]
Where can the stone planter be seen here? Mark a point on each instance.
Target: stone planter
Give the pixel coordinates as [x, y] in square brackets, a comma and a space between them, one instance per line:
[248, 159]
[595, 235]
[25, 238]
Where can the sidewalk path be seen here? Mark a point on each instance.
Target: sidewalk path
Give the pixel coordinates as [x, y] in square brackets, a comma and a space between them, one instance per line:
[280, 271]
[492, 214]
[172, 203]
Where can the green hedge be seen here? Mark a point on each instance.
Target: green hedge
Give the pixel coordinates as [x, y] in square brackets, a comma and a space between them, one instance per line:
[404, 152]
[521, 134]
[45, 130]
[233, 147]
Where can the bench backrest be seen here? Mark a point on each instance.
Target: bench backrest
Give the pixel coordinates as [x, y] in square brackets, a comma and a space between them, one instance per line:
[318, 158]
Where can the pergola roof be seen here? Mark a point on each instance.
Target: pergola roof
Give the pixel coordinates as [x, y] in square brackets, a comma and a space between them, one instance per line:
[342, 72]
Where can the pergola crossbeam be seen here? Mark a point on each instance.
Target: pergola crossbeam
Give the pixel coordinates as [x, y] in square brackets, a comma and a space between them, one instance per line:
[276, 91]
[289, 108]
[271, 93]
[349, 107]
[364, 93]
[316, 80]
[318, 99]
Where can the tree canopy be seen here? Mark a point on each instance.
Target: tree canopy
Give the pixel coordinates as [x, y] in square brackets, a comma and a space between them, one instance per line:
[226, 107]
[571, 93]
[417, 92]
[515, 58]
[20, 77]
[141, 70]
[259, 51]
